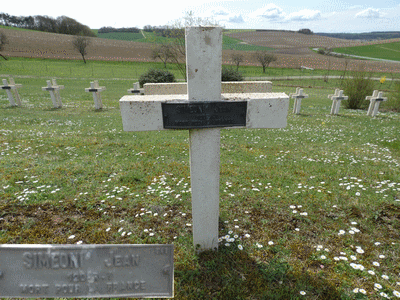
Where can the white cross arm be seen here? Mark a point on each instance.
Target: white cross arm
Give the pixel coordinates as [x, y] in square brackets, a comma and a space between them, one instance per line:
[10, 87]
[95, 89]
[144, 113]
[53, 87]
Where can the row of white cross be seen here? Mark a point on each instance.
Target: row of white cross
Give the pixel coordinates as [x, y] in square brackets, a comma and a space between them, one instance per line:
[337, 97]
[54, 89]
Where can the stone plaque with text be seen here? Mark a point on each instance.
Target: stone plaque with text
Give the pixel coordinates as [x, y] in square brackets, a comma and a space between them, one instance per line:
[201, 114]
[90, 271]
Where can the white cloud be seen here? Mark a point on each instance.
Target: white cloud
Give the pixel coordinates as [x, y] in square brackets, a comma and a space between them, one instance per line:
[219, 11]
[369, 13]
[270, 11]
[304, 15]
[236, 19]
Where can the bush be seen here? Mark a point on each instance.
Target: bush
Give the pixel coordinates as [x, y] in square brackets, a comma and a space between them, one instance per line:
[156, 76]
[357, 87]
[393, 102]
[229, 74]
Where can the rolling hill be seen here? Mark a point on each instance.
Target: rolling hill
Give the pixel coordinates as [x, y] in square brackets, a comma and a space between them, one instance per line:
[292, 49]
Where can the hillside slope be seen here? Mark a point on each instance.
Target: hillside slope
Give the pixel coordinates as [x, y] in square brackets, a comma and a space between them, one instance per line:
[288, 42]
[292, 49]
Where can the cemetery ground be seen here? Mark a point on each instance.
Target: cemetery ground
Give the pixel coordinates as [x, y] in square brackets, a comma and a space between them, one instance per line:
[310, 211]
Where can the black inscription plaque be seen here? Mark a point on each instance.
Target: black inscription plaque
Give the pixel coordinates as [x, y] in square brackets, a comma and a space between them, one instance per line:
[90, 271]
[6, 87]
[93, 90]
[204, 114]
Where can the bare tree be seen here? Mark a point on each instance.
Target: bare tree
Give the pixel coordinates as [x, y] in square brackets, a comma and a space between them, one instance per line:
[177, 35]
[237, 58]
[346, 63]
[164, 52]
[80, 43]
[3, 42]
[264, 58]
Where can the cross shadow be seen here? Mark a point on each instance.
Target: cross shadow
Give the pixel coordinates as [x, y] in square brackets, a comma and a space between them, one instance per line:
[230, 273]
[53, 109]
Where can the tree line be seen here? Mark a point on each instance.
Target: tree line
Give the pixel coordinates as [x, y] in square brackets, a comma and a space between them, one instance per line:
[165, 31]
[63, 24]
[112, 29]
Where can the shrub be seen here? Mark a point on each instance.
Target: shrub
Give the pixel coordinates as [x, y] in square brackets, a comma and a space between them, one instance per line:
[393, 102]
[156, 76]
[229, 74]
[357, 87]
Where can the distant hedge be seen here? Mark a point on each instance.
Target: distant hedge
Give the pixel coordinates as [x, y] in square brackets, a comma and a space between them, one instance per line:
[112, 29]
[63, 24]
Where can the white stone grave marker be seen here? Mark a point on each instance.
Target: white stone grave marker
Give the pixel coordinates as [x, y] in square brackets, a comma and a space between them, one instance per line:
[204, 111]
[297, 99]
[336, 99]
[180, 88]
[54, 88]
[136, 89]
[96, 90]
[12, 87]
[375, 100]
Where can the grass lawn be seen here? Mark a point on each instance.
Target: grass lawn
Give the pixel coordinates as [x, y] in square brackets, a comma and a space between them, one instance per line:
[310, 211]
[389, 51]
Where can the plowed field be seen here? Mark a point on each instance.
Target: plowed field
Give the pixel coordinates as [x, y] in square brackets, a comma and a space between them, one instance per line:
[292, 49]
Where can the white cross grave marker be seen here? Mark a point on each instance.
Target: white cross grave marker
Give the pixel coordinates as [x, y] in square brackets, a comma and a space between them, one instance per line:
[204, 111]
[136, 89]
[96, 90]
[8, 88]
[297, 99]
[375, 100]
[54, 88]
[337, 98]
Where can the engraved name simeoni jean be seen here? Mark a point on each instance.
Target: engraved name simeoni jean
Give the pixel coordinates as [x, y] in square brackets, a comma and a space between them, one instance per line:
[46, 271]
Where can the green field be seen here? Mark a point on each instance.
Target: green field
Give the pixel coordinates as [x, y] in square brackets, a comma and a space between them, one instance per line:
[310, 211]
[123, 36]
[228, 43]
[125, 69]
[390, 51]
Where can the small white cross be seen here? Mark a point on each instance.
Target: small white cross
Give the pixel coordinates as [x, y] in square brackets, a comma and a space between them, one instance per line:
[96, 90]
[375, 100]
[136, 89]
[204, 111]
[54, 88]
[337, 98]
[8, 88]
[297, 99]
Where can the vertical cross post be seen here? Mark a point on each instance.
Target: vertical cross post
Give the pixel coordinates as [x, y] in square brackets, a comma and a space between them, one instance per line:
[136, 89]
[375, 100]
[15, 87]
[336, 99]
[8, 88]
[57, 91]
[203, 67]
[203, 110]
[297, 99]
[53, 88]
[96, 90]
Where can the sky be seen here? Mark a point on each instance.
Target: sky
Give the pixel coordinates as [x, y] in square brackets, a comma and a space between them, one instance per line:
[318, 15]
